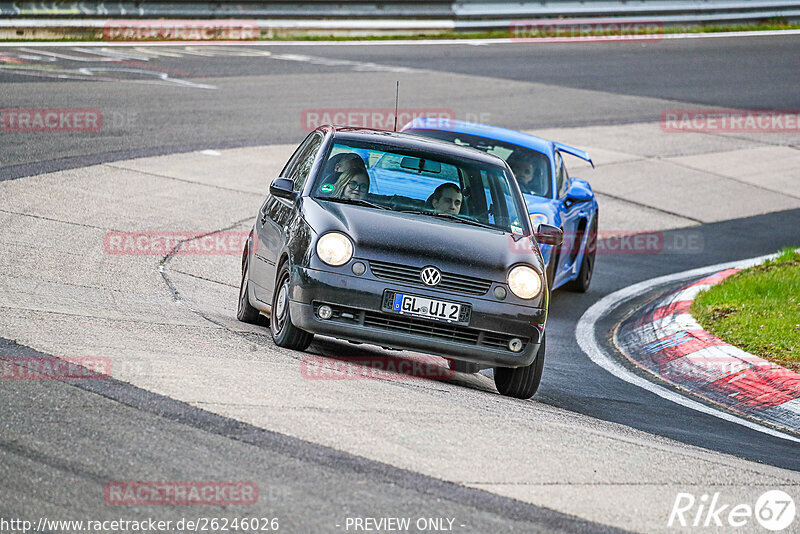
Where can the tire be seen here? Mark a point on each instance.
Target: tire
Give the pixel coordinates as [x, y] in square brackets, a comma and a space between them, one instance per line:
[584, 279]
[284, 332]
[245, 312]
[521, 382]
[463, 367]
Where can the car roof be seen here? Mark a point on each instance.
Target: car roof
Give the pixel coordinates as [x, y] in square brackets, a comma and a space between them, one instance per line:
[482, 130]
[414, 142]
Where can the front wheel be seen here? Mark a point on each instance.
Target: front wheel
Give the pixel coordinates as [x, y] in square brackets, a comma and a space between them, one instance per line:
[245, 311]
[284, 332]
[521, 382]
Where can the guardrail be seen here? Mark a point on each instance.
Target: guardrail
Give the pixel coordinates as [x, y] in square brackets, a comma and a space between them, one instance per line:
[359, 17]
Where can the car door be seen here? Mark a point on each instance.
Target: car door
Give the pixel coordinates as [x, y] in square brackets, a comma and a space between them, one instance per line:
[570, 218]
[276, 214]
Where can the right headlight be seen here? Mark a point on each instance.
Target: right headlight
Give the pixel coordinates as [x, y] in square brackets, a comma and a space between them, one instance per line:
[335, 248]
[524, 282]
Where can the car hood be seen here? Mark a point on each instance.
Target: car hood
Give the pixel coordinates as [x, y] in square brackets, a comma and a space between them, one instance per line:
[418, 240]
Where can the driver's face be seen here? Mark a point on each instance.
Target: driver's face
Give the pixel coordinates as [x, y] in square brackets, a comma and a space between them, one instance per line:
[449, 202]
[523, 172]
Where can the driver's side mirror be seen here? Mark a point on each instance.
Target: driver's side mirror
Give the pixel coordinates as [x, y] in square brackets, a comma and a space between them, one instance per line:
[283, 188]
[580, 191]
[547, 234]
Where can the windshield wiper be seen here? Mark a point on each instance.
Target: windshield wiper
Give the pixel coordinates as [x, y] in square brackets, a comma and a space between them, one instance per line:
[355, 202]
[453, 217]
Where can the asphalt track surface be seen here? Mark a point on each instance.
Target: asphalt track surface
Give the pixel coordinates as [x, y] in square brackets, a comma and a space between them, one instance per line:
[259, 102]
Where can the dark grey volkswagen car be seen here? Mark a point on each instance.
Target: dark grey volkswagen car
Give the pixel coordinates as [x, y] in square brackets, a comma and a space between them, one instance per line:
[403, 242]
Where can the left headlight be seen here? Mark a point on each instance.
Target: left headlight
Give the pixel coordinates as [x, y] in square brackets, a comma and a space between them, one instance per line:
[524, 282]
[335, 249]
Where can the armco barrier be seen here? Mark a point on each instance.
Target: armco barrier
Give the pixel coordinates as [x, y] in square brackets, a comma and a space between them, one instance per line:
[389, 16]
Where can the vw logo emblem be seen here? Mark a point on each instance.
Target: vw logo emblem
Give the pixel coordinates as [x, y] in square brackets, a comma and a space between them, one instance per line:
[431, 276]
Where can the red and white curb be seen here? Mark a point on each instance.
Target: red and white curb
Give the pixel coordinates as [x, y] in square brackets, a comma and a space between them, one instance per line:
[588, 334]
[666, 340]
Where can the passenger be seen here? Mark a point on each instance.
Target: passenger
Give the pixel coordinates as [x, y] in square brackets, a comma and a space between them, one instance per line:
[447, 198]
[352, 184]
[530, 177]
[340, 163]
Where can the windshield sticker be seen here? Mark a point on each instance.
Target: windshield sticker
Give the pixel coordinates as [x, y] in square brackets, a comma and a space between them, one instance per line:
[516, 229]
[327, 188]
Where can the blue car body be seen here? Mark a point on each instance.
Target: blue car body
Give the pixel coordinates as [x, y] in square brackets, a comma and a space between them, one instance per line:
[570, 203]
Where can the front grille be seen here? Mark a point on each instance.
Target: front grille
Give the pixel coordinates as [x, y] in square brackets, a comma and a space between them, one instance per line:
[421, 327]
[456, 283]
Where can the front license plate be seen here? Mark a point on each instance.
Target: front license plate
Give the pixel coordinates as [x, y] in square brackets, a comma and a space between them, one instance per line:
[439, 310]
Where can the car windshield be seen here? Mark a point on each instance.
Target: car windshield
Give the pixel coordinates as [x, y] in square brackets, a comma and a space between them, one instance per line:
[461, 190]
[531, 168]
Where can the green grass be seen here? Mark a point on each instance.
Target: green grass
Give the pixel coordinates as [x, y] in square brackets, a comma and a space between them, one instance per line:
[767, 25]
[758, 310]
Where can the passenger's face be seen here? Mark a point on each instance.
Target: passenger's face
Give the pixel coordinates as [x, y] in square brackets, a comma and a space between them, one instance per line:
[449, 202]
[357, 187]
[523, 172]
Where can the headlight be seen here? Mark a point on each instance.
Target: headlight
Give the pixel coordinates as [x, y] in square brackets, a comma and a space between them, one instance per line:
[537, 219]
[524, 282]
[334, 249]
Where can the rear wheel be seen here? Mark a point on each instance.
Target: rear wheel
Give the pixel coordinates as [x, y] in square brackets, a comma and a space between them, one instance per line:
[521, 382]
[284, 333]
[584, 279]
[245, 312]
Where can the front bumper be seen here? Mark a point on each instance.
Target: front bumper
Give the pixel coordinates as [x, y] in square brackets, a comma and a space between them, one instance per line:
[359, 316]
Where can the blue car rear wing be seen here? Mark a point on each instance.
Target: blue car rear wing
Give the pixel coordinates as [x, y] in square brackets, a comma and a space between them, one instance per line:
[574, 151]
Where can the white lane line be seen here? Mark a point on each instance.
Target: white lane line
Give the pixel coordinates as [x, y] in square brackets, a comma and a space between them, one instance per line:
[409, 42]
[585, 334]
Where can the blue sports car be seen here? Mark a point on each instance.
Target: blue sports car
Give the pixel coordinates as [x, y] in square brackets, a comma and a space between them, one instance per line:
[551, 194]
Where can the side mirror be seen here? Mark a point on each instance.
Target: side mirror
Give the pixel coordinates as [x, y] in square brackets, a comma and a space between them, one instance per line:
[580, 191]
[283, 188]
[548, 234]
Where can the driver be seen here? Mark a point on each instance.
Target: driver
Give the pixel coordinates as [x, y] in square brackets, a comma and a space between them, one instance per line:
[530, 177]
[447, 198]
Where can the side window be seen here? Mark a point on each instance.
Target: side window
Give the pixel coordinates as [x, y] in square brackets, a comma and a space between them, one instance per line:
[301, 167]
[562, 178]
